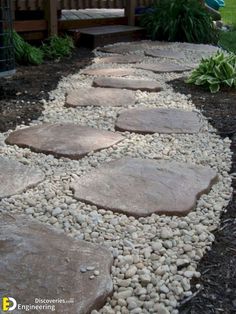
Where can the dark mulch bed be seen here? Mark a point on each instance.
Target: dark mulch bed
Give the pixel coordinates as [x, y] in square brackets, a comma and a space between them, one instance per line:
[20, 95]
[218, 267]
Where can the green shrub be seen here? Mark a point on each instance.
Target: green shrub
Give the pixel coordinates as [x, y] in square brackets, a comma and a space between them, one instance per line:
[57, 47]
[179, 20]
[214, 72]
[25, 53]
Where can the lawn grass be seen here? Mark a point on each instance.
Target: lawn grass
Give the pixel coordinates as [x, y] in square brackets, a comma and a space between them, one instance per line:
[228, 13]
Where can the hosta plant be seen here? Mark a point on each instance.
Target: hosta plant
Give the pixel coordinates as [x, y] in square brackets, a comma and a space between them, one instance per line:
[179, 20]
[215, 72]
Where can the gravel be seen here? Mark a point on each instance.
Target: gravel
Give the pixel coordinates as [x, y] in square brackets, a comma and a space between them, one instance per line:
[154, 257]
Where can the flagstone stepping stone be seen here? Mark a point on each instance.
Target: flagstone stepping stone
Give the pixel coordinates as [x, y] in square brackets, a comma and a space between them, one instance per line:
[38, 261]
[120, 59]
[123, 83]
[164, 53]
[63, 140]
[16, 177]
[163, 67]
[199, 47]
[141, 187]
[157, 120]
[109, 72]
[132, 47]
[106, 97]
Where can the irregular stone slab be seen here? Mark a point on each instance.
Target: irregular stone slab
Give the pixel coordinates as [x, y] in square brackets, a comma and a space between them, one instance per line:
[40, 262]
[159, 121]
[109, 72]
[199, 47]
[163, 67]
[164, 53]
[120, 59]
[63, 140]
[16, 178]
[141, 187]
[132, 47]
[143, 85]
[106, 97]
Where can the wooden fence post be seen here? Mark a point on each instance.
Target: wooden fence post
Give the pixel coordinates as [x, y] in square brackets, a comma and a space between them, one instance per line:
[130, 11]
[50, 7]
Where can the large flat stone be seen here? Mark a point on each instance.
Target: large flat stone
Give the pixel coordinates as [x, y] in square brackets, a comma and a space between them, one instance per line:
[39, 262]
[159, 121]
[106, 97]
[63, 140]
[163, 67]
[109, 72]
[16, 177]
[164, 53]
[132, 47]
[123, 83]
[140, 187]
[120, 59]
[199, 47]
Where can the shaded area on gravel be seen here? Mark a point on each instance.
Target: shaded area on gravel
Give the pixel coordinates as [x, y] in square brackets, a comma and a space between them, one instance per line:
[218, 282]
[20, 95]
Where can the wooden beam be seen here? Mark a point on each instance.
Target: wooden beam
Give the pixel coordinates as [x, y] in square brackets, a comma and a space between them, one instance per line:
[130, 11]
[30, 26]
[51, 16]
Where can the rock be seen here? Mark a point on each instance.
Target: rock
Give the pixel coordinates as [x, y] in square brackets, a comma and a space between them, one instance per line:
[125, 83]
[131, 271]
[145, 279]
[166, 233]
[56, 212]
[163, 67]
[162, 121]
[156, 246]
[104, 97]
[164, 289]
[124, 294]
[120, 59]
[164, 53]
[63, 140]
[39, 259]
[109, 72]
[141, 187]
[15, 177]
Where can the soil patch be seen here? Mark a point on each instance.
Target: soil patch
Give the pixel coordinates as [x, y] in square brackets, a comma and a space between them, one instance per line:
[218, 282]
[20, 95]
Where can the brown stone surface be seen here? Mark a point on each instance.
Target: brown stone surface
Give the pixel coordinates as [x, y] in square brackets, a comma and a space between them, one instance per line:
[63, 140]
[120, 59]
[109, 72]
[140, 187]
[16, 177]
[123, 83]
[164, 53]
[40, 262]
[199, 47]
[163, 67]
[159, 121]
[106, 97]
[132, 47]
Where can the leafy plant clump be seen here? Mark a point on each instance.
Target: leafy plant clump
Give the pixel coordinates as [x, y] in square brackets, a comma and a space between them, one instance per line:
[57, 47]
[214, 72]
[179, 20]
[25, 53]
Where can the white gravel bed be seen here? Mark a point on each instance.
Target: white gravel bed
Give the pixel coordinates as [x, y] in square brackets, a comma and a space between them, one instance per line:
[154, 257]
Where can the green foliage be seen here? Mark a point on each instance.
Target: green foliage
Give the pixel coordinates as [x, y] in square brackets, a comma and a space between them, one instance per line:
[214, 72]
[57, 47]
[228, 40]
[25, 53]
[179, 20]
